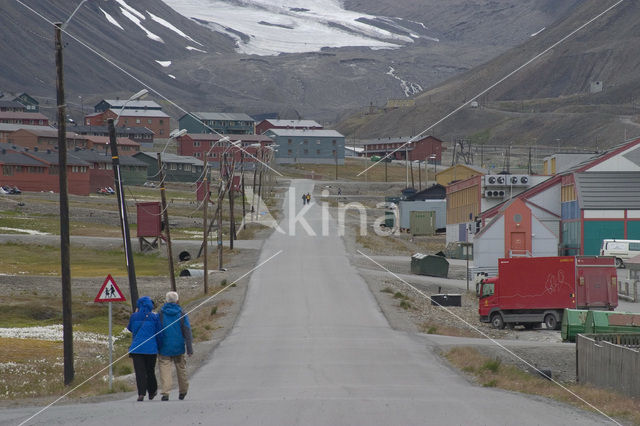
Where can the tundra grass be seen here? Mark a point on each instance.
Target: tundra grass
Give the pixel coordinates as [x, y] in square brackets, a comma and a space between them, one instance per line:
[489, 372]
[349, 171]
[31, 259]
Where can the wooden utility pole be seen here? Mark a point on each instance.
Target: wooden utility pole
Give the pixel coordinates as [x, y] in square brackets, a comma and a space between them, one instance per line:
[244, 210]
[413, 185]
[385, 168]
[205, 231]
[165, 218]
[420, 177]
[253, 187]
[220, 200]
[65, 258]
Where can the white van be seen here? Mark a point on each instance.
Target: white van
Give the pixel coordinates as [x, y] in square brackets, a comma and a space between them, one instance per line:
[620, 249]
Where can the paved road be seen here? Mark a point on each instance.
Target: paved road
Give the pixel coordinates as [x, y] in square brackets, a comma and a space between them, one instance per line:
[311, 347]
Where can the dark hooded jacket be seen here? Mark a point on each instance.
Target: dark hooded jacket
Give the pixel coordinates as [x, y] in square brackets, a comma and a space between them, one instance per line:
[144, 325]
[176, 334]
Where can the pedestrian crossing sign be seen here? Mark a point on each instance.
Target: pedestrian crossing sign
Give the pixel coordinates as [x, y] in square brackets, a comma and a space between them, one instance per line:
[109, 292]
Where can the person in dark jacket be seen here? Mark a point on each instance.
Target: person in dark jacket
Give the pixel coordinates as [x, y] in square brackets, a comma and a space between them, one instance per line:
[176, 337]
[144, 325]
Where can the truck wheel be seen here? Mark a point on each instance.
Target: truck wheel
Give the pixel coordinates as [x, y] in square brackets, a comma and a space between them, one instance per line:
[551, 322]
[497, 321]
[619, 263]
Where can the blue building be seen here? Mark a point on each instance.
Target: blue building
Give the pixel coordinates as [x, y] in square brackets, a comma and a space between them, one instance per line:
[307, 146]
[222, 122]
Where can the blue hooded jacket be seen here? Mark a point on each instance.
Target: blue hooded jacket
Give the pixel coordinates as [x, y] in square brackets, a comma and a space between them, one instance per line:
[176, 332]
[144, 324]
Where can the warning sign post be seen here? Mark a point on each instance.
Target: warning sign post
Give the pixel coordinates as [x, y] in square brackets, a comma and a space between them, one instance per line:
[110, 292]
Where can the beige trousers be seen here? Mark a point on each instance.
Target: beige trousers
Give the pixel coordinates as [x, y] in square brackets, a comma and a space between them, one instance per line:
[166, 375]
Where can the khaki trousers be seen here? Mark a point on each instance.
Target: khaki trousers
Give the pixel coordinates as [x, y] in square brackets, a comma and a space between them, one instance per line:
[166, 375]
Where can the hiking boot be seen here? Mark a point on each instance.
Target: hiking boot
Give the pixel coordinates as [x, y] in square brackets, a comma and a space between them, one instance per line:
[165, 397]
[140, 397]
[152, 395]
[182, 395]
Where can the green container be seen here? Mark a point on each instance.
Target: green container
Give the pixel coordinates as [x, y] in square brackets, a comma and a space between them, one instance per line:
[428, 264]
[422, 223]
[573, 323]
[389, 219]
[598, 323]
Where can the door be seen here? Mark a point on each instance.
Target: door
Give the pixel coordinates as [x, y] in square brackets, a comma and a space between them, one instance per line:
[518, 244]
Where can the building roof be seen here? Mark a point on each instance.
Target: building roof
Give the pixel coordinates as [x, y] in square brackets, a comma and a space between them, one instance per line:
[396, 140]
[52, 158]
[120, 130]
[294, 123]
[104, 140]
[215, 137]
[10, 104]
[229, 116]
[20, 115]
[608, 190]
[468, 166]
[171, 158]
[10, 127]
[118, 103]
[18, 158]
[140, 113]
[94, 156]
[50, 132]
[310, 133]
[11, 147]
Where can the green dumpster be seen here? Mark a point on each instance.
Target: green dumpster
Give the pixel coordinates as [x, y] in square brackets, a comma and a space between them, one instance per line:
[428, 264]
[609, 322]
[389, 219]
[573, 323]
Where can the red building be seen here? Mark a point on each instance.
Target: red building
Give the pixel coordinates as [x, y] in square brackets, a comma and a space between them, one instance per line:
[197, 145]
[30, 118]
[265, 125]
[38, 171]
[420, 149]
[101, 143]
[44, 139]
[153, 119]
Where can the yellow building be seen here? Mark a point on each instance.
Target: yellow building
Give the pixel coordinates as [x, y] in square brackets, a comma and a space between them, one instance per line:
[458, 172]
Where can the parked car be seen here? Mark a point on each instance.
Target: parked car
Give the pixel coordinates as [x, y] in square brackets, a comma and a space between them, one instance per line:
[620, 249]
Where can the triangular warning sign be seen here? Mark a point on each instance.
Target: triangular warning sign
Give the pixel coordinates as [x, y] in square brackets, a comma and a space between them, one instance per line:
[109, 292]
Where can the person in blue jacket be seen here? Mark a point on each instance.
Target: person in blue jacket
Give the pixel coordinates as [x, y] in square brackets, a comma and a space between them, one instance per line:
[144, 326]
[176, 337]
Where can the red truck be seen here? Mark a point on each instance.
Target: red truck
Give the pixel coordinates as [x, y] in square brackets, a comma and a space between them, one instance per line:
[533, 290]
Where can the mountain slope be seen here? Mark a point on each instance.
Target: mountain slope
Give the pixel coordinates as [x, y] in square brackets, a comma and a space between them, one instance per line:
[548, 102]
[202, 69]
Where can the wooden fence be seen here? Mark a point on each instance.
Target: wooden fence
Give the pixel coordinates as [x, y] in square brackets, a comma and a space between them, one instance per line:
[609, 361]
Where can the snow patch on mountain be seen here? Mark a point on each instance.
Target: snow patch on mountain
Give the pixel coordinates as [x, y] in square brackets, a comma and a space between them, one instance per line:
[164, 63]
[262, 27]
[170, 26]
[133, 18]
[111, 19]
[408, 88]
[131, 9]
[196, 49]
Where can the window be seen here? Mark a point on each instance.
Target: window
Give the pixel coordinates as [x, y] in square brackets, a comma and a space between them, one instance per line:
[149, 121]
[290, 152]
[318, 151]
[305, 141]
[161, 131]
[173, 166]
[137, 121]
[187, 167]
[289, 141]
[306, 151]
[196, 144]
[334, 142]
[161, 121]
[7, 170]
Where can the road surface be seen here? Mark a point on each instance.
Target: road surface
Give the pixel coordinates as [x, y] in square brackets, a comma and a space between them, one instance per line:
[311, 347]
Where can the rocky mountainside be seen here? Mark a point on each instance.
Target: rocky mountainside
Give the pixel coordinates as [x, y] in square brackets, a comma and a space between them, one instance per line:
[583, 93]
[198, 68]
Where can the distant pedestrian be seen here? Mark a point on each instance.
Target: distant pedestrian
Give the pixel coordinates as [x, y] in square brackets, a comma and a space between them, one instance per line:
[144, 325]
[304, 199]
[176, 337]
[339, 192]
[308, 198]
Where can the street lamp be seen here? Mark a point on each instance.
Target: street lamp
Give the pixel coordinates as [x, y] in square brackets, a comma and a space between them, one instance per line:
[122, 207]
[433, 157]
